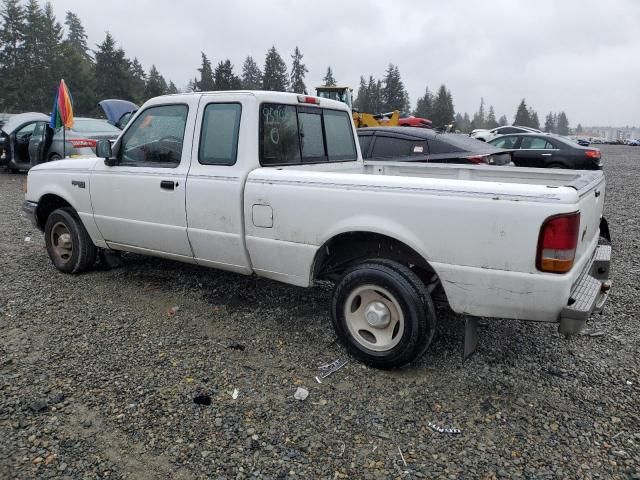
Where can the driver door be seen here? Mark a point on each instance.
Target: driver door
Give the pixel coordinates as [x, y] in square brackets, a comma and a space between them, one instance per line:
[139, 203]
[39, 143]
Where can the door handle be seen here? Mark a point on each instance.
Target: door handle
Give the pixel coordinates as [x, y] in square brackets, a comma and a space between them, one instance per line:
[546, 154]
[168, 184]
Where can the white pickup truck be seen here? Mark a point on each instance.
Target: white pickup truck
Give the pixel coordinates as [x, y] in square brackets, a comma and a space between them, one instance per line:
[273, 184]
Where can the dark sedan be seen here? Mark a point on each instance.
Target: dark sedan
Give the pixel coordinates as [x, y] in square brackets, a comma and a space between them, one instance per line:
[425, 145]
[549, 151]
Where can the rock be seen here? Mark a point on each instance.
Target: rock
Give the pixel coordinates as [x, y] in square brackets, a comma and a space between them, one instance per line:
[301, 394]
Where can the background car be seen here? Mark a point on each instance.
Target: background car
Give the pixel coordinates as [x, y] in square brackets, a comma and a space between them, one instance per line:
[426, 145]
[118, 112]
[634, 143]
[487, 135]
[549, 151]
[408, 120]
[28, 140]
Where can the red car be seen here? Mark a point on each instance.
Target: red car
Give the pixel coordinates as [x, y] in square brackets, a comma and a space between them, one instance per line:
[411, 121]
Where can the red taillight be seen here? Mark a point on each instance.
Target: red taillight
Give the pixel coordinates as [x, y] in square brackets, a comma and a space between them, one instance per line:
[479, 159]
[557, 243]
[592, 153]
[308, 99]
[82, 142]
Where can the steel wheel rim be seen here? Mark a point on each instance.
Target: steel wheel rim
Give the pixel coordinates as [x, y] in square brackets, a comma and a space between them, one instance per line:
[61, 242]
[365, 316]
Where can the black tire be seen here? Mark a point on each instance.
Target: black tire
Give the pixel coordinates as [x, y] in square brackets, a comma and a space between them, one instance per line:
[401, 287]
[55, 156]
[77, 252]
[556, 165]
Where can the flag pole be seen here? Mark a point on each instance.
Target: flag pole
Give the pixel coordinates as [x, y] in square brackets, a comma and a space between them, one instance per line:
[64, 142]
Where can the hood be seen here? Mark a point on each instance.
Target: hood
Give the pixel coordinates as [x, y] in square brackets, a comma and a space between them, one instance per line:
[16, 121]
[75, 164]
[115, 109]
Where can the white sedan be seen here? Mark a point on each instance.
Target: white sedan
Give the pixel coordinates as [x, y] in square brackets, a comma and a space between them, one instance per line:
[487, 135]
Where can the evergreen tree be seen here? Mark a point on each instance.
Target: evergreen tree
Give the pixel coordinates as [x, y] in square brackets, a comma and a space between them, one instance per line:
[376, 95]
[156, 84]
[554, 118]
[41, 60]
[76, 34]
[251, 75]
[534, 122]
[424, 105]
[563, 124]
[275, 77]
[522, 117]
[579, 129]
[491, 119]
[12, 33]
[192, 85]
[138, 79]
[549, 125]
[466, 121]
[79, 75]
[32, 62]
[224, 77]
[443, 112]
[77, 68]
[298, 72]
[503, 121]
[479, 118]
[462, 123]
[329, 80]
[362, 102]
[172, 89]
[113, 71]
[394, 94]
[206, 82]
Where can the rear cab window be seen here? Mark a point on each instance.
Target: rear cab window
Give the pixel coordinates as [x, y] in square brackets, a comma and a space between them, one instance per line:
[292, 135]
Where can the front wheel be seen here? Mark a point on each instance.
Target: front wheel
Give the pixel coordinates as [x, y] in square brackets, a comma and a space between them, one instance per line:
[69, 246]
[383, 314]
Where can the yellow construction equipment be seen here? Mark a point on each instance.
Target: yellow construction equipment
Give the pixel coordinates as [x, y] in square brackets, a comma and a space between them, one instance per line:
[345, 95]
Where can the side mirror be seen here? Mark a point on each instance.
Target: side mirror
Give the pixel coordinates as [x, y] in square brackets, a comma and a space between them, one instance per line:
[103, 150]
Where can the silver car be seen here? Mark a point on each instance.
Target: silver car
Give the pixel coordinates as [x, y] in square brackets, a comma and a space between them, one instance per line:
[27, 140]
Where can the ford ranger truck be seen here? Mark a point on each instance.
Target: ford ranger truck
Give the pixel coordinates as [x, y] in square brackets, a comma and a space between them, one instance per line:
[273, 184]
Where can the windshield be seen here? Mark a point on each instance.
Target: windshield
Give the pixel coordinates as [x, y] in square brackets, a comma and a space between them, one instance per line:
[89, 125]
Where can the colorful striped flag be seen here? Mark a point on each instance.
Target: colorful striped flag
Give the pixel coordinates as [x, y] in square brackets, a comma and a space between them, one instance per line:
[62, 113]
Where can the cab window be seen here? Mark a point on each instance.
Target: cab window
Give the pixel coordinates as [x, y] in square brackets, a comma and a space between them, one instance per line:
[292, 135]
[155, 138]
[219, 136]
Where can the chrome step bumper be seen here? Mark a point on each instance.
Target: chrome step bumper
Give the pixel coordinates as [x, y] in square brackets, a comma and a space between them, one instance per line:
[589, 294]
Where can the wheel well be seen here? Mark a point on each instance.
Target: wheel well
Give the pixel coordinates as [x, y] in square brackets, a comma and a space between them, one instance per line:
[345, 249]
[48, 204]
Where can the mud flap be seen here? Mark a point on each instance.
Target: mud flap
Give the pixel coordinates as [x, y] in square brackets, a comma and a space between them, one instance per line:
[470, 337]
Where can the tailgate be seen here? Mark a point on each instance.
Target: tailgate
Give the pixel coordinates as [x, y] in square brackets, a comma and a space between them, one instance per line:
[591, 205]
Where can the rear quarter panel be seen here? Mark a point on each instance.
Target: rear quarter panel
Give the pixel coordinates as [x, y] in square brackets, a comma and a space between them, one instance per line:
[481, 238]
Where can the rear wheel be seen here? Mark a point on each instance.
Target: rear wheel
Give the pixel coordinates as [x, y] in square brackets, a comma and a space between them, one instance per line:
[556, 165]
[69, 246]
[55, 156]
[383, 314]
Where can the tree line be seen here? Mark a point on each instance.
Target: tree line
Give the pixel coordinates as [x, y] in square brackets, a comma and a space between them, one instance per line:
[36, 51]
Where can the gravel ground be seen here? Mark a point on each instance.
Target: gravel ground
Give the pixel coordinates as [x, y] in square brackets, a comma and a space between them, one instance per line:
[98, 376]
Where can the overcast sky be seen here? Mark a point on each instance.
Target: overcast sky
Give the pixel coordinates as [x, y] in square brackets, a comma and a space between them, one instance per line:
[580, 56]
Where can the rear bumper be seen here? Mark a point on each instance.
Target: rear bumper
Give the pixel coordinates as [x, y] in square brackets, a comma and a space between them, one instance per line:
[589, 293]
[29, 208]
